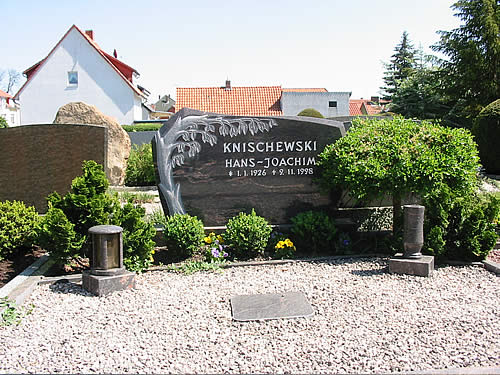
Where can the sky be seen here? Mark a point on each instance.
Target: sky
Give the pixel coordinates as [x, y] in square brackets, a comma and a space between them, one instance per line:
[338, 45]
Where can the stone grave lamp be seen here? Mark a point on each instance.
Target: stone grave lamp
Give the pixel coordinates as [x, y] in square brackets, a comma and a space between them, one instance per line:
[412, 262]
[107, 273]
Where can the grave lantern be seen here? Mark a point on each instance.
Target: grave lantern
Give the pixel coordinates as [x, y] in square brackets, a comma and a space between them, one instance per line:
[413, 231]
[107, 250]
[107, 273]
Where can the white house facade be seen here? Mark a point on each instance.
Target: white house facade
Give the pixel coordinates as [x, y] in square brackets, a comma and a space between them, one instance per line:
[78, 70]
[9, 110]
[329, 104]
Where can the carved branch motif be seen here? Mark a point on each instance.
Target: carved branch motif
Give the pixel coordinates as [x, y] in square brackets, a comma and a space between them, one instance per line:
[181, 143]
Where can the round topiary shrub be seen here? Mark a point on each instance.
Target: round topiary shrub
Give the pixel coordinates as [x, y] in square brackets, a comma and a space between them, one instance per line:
[247, 235]
[18, 225]
[183, 235]
[313, 232]
[487, 131]
[310, 112]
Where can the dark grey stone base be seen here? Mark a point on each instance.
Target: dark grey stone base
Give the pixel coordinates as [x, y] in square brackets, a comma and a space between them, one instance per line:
[102, 285]
[418, 267]
[270, 306]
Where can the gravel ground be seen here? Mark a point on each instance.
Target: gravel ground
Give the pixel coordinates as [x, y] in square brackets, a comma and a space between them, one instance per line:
[366, 321]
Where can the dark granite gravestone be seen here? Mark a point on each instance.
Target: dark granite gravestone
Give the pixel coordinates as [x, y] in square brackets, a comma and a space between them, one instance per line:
[215, 166]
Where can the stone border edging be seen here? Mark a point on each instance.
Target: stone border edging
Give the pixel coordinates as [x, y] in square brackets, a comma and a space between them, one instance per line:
[491, 266]
[21, 286]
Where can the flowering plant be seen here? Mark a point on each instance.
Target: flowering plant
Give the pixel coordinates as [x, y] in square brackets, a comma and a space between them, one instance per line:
[284, 248]
[214, 249]
[344, 244]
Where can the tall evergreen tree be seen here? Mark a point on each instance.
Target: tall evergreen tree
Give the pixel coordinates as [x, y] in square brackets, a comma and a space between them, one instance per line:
[470, 74]
[401, 66]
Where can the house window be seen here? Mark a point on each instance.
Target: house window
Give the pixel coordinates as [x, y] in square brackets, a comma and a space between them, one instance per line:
[332, 104]
[13, 119]
[73, 78]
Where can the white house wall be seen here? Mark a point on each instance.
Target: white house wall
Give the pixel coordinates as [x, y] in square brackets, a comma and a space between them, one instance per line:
[98, 84]
[292, 103]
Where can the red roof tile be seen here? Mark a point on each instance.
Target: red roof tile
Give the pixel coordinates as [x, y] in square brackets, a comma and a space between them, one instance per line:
[360, 107]
[5, 95]
[239, 101]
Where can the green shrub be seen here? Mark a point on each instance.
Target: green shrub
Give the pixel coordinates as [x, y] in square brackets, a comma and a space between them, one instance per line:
[487, 131]
[57, 235]
[138, 234]
[88, 204]
[142, 127]
[140, 168]
[183, 235]
[3, 122]
[18, 225]
[310, 112]
[247, 235]
[314, 232]
[460, 227]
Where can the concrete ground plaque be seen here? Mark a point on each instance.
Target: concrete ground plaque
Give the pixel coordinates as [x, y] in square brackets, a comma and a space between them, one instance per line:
[215, 166]
[270, 306]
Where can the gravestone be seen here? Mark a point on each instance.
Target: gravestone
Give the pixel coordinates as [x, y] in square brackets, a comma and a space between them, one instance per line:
[215, 166]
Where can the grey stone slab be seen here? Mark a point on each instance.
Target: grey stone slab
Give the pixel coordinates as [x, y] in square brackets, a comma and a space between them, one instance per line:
[270, 306]
[102, 285]
[418, 267]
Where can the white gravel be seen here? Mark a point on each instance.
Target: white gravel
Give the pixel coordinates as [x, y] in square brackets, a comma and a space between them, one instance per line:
[366, 321]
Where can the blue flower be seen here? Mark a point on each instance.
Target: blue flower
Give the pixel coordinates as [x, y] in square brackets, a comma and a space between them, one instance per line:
[215, 253]
[346, 242]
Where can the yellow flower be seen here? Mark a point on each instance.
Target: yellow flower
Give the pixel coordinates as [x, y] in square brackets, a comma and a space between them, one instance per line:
[208, 240]
[219, 237]
[288, 242]
[212, 234]
[280, 245]
[152, 252]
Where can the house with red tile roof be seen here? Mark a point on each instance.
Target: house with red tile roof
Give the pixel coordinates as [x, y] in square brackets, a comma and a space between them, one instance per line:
[363, 107]
[9, 109]
[77, 69]
[261, 100]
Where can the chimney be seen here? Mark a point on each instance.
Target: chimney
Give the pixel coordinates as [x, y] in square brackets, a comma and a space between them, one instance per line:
[90, 34]
[115, 54]
[228, 85]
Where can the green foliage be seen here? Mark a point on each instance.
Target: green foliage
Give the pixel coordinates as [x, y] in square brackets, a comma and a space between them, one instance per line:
[183, 234]
[418, 96]
[3, 122]
[58, 235]
[487, 131]
[138, 234]
[142, 127]
[310, 112]
[17, 226]
[247, 235]
[140, 168]
[460, 227]
[470, 73]
[191, 267]
[401, 66]
[136, 198]
[398, 157]
[11, 313]
[88, 204]
[314, 232]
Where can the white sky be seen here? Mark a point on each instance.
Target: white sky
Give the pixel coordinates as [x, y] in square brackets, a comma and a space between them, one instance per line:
[339, 45]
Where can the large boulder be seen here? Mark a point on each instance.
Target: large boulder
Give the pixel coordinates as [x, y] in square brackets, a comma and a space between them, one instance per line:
[118, 148]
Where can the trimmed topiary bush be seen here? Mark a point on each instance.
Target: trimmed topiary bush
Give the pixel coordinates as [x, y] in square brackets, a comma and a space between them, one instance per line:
[310, 112]
[18, 225]
[140, 168]
[88, 204]
[183, 235]
[314, 232]
[58, 235]
[247, 235]
[487, 132]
